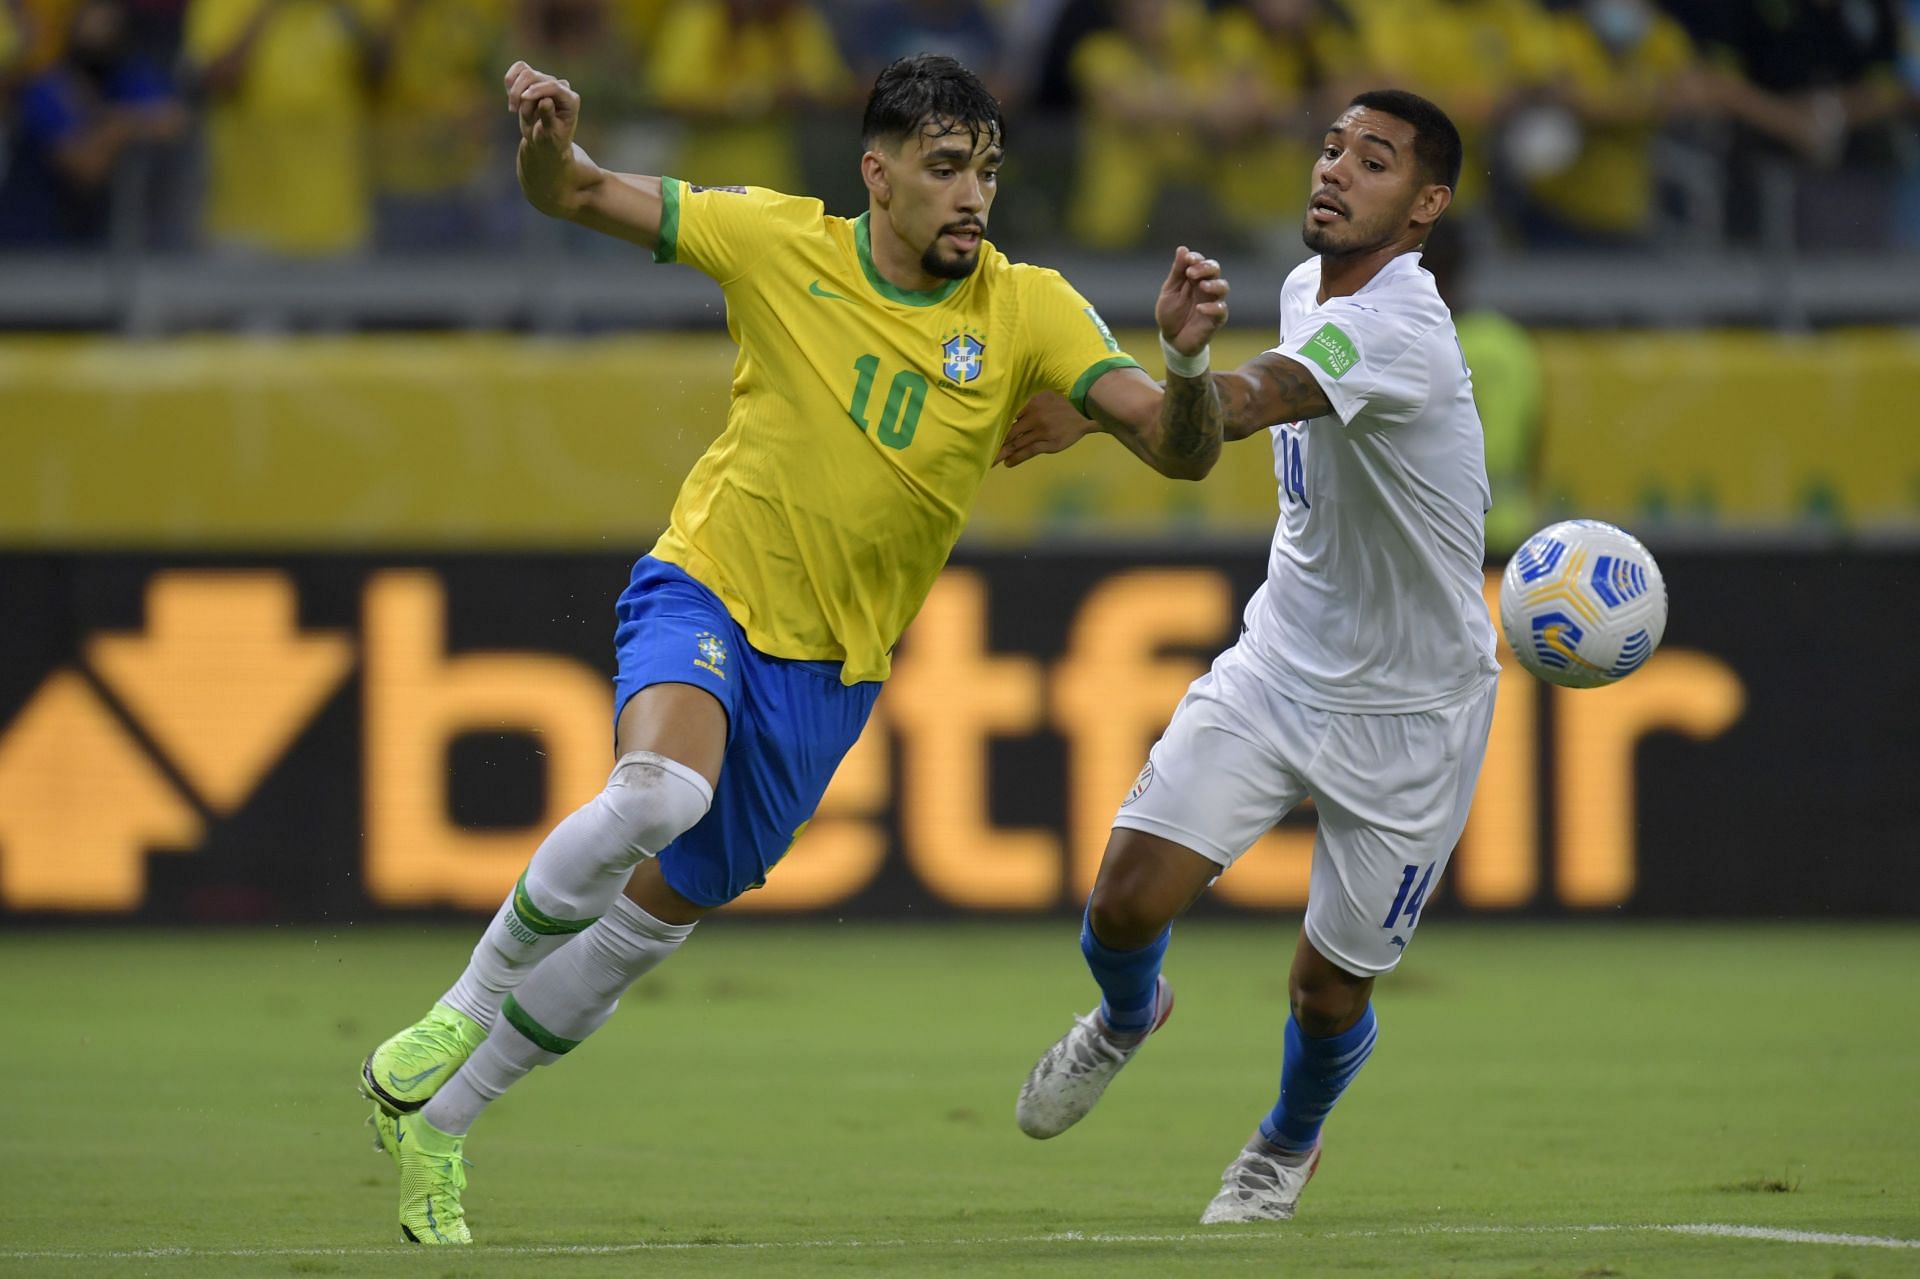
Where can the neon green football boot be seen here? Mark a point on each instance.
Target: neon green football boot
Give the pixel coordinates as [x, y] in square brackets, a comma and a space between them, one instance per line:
[401, 1074]
[433, 1176]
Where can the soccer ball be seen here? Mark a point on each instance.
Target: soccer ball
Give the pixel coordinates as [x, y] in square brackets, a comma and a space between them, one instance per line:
[1583, 604]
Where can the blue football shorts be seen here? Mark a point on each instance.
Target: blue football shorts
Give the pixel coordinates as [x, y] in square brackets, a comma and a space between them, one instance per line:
[789, 723]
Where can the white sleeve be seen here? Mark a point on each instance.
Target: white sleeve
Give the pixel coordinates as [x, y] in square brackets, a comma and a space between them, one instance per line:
[1366, 361]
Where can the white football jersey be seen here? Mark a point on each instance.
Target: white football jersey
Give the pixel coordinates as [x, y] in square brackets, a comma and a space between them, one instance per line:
[1372, 602]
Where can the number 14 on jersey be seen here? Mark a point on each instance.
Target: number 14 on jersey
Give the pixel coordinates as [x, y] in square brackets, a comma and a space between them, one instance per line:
[1289, 452]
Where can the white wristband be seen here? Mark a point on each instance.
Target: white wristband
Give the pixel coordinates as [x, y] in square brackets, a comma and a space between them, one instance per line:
[1184, 365]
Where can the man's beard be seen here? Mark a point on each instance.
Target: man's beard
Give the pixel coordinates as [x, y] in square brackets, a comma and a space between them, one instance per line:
[936, 263]
[1327, 239]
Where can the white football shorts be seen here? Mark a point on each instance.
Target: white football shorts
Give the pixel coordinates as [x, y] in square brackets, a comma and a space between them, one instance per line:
[1391, 792]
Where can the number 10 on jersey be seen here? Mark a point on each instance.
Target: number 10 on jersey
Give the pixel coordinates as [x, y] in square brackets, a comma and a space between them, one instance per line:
[900, 415]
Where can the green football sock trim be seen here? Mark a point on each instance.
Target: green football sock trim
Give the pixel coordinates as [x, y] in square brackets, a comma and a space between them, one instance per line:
[517, 1018]
[538, 920]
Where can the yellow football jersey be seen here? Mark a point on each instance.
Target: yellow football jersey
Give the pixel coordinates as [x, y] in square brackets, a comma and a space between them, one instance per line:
[863, 417]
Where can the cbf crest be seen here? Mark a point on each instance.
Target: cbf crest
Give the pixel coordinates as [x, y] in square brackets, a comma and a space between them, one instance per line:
[965, 356]
[713, 653]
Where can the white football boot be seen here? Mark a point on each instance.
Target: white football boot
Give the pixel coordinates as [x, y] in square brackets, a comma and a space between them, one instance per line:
[1070, 1076]
[1258, 1187]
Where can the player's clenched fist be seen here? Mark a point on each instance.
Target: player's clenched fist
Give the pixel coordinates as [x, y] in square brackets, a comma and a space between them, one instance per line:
[552, 171]
[1193, 302]
[547, 106]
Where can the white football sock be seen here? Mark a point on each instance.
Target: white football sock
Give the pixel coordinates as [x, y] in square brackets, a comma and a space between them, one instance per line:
[568, 997]
[578, 871]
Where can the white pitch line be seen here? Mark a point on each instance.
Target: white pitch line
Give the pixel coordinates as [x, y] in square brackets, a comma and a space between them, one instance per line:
[1792, 1236]
[1767, 1234]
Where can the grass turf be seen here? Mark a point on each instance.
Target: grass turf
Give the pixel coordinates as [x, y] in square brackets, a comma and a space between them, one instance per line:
[823, 1099]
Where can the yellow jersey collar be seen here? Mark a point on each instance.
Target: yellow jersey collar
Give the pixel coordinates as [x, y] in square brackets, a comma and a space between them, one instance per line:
[863, 245]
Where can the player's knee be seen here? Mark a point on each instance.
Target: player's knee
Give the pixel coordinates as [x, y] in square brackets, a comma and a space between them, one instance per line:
[1323, 1008]
[654, 800]
[1124, 919]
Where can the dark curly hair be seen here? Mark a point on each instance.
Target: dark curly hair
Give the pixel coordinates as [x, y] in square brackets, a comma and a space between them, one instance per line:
[930, 92]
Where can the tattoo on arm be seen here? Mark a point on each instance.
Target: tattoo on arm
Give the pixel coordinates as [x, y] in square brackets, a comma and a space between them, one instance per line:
[1192, 421]
[1269, 389]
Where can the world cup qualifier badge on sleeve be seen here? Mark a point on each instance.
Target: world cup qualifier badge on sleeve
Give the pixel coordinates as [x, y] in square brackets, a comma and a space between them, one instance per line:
[1100, 325]
[1332, 350]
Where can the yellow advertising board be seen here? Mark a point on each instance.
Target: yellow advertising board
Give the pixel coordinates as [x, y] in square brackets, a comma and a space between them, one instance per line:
[426, 441]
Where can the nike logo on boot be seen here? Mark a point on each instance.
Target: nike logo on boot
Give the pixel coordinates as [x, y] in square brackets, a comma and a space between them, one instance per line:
[411, 1080]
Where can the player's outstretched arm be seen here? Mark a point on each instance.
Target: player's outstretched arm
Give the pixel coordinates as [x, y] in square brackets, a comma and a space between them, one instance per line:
[1267, 390]
[1175, 429]
[560, 179]
[1125, 403]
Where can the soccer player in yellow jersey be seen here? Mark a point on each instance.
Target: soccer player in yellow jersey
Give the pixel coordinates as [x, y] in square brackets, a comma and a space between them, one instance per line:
[881, 361]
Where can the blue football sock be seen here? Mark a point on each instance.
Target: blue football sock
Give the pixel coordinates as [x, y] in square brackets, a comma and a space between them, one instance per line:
[1126, 978]
[1316, 1072]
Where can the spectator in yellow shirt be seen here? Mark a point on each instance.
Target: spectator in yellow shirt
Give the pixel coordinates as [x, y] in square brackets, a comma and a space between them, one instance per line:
[12, 43]
[1474, 57]
[1163, 103]
[736, 72]
[289, 85]
[1295, 64]
[439, 121]
[1623, 70]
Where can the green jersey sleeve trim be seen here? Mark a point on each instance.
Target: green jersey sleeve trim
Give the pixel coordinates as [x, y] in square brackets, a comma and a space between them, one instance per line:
[887, 290]
[1094, 373]
[667, 247]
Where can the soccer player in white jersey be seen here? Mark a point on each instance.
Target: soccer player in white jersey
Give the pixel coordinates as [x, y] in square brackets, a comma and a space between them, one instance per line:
[1365, 674]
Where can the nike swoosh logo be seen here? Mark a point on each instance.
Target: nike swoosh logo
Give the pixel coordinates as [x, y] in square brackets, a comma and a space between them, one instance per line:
[819, 292]
[411, 1080]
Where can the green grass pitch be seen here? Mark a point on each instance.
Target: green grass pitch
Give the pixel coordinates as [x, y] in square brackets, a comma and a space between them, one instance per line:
[798, 1100]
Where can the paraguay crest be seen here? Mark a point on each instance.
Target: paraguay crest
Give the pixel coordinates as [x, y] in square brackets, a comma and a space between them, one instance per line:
[965, 356]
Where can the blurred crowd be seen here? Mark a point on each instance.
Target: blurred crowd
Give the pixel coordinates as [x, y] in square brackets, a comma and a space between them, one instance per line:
[327, 127]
